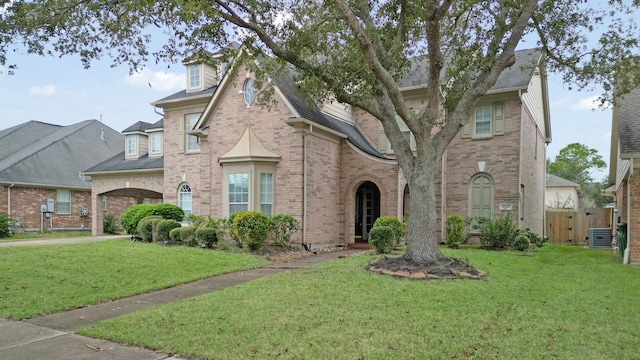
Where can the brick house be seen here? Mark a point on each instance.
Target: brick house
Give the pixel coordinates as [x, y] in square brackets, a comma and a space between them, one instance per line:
[331, 166]
[624, 180]
[40, 165]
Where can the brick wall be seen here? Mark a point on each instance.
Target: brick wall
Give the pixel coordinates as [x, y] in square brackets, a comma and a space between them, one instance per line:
[634, 222]
[25, 208]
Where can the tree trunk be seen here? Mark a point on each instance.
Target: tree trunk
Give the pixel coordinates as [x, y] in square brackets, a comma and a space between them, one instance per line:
[422, 238]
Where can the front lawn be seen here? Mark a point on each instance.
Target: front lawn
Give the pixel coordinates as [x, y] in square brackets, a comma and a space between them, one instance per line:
[45, 279]
[564, 303]
[45, 235]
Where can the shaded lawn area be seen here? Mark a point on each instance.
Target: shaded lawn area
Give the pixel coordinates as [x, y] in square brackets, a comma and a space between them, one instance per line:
[564, 302]
[45, 235]
[46, 279]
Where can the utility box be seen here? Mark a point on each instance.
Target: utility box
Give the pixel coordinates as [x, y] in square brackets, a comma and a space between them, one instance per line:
[50, 204]
[600, 237]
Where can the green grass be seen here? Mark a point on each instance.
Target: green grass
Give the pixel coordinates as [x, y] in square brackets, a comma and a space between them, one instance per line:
[46, 235]
[46, 279]
[564, 303]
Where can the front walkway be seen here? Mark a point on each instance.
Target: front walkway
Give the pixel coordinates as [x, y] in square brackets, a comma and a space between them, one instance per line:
[52, 336]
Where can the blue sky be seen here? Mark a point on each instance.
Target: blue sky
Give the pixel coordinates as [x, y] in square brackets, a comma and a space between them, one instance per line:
[60, 91]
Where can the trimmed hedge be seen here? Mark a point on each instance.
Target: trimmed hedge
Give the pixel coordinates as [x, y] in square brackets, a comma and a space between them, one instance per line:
[455, 228]
[395, 225]
[145, 227]
[133, 214]
[183, 235]
[163, 227]
[207, 236]
[382, 238]
[251, 228]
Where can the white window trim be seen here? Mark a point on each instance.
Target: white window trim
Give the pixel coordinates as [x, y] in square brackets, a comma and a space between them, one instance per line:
[58, 202]
[133, 154]
[254, 170]
[151, 143]
[187, 210]
[475, 121]
[190, 86]
[188, 135]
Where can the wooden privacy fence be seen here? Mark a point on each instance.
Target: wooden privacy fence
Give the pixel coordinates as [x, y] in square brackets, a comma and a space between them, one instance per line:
[572, 226]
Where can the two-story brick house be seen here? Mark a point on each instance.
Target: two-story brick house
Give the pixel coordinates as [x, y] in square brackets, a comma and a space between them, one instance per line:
[331, 166]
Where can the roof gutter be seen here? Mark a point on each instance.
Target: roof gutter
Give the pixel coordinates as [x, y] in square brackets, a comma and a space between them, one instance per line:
[48, 186]
[9, 199]
[123, 172]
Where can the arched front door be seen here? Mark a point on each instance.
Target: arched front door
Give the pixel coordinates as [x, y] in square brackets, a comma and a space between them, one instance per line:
[367, 209]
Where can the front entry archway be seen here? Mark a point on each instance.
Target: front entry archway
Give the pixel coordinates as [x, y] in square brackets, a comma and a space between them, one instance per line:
[367, 209]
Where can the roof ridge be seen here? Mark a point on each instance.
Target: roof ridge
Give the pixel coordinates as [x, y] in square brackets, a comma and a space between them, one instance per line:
[34, 149]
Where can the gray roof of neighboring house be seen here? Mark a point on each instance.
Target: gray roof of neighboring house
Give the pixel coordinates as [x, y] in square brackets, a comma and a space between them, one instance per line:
[629, 124]
[52, 155]
[118, 163]
[517, 76]
[557, 181]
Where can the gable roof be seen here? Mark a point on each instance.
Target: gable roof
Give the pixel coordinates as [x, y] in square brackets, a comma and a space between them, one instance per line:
[140, 126]
[518, 76]
[557, 181]
[628, 111]
[40, 154]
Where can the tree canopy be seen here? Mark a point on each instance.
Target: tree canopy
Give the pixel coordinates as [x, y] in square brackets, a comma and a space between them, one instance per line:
[357, 52]
[577, 162]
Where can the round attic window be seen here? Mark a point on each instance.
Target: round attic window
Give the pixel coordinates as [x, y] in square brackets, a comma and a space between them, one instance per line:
[249, 92]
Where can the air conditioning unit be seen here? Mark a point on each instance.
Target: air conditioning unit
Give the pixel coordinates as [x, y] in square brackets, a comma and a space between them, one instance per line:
[600, 237]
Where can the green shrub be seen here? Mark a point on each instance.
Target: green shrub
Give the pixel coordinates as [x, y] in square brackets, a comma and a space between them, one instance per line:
[281, 228]
[109, 224]
[382, 238]
[183, 236]
[145, 227]
[163, 227]
[498, 234]
[521, 242]
[132, 216]
[395, 225]
[207, 236]
[536, 240]
[5, 225]
[167, 211]
[251, 228]
[455, 231]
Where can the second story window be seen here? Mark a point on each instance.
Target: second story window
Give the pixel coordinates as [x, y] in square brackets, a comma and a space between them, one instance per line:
[131, 145]
[155, 142]
[194, 76]
[483, 120]
[191, 141]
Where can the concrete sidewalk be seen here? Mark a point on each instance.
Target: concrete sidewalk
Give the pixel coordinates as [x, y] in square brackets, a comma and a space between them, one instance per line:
[52, 336]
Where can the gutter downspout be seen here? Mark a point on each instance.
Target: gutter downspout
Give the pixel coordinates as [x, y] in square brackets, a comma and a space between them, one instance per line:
[304, 183]
[9, 199]
[625, 258]
[520, 192]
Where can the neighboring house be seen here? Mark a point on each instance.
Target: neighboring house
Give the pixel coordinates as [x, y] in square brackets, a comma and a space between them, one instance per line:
[561, 193]
[40, 165]
[330, 166]
[623, 176]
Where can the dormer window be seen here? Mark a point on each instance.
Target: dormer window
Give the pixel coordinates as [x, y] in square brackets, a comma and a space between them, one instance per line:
[155, 146]
[195, 77]
[132, 146]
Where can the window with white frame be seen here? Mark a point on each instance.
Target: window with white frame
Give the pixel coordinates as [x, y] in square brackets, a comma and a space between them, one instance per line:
[238, 192]
[266, 193]
[185, 199]
[132, 145]
[249, 92]
[63, 201]
[194, 76]
[156, 142]
[191, 141]
[104, 202]
[404, 129]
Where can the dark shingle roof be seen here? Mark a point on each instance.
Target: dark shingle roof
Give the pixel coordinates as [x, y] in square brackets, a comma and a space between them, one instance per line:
[158, 125]
[629, 124]
[517, 76]
[55, 155]
[118, 163]
[184, 94]
[310, 111]
[140, 126]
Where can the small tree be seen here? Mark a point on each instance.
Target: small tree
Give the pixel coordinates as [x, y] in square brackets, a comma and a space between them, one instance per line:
[281, 229]
[251, 228]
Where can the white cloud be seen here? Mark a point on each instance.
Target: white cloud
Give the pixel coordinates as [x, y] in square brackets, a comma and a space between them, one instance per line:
[590, 103]
[159, 80]
[558, 103]
[47, 90]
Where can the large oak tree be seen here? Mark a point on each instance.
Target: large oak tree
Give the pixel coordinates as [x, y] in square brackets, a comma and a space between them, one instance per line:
[356, 51]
